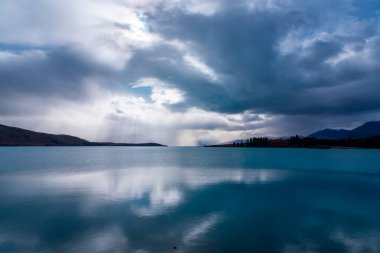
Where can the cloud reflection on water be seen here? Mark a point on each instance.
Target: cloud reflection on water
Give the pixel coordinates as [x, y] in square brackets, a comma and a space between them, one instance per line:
[151, 210]
[148, 192]
[201, 228]
[161, 188]
[111, 239]
[368, 242]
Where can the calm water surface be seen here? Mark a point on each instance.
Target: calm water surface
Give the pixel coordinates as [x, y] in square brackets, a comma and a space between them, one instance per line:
[126, 199]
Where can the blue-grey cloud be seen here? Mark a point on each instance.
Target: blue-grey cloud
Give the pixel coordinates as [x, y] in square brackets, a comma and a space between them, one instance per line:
[243, 46]
[58, 72]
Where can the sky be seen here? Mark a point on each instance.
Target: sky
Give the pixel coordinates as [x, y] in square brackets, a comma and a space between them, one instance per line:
[187, 72]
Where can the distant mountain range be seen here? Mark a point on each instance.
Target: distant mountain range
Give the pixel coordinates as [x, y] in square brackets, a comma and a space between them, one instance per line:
[368, 129]
[14, 136]
[365, 136]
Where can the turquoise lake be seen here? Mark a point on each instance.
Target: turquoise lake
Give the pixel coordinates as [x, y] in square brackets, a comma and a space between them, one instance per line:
[152, 199]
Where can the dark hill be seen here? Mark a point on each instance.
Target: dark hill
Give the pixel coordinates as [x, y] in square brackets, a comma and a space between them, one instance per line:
[13, 136]
[331, 134]
[368, 129]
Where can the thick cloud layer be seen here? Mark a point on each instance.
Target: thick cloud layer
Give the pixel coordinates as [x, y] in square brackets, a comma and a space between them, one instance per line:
[188, 72]
[290, 61]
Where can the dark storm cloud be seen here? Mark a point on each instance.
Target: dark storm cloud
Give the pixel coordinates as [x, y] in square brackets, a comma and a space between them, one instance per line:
[242, 46]
[237, 45]
[164, 63]
[58, 73]
[32, 81]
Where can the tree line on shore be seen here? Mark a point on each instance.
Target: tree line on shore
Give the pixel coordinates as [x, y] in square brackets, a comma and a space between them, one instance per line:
[307, 142]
